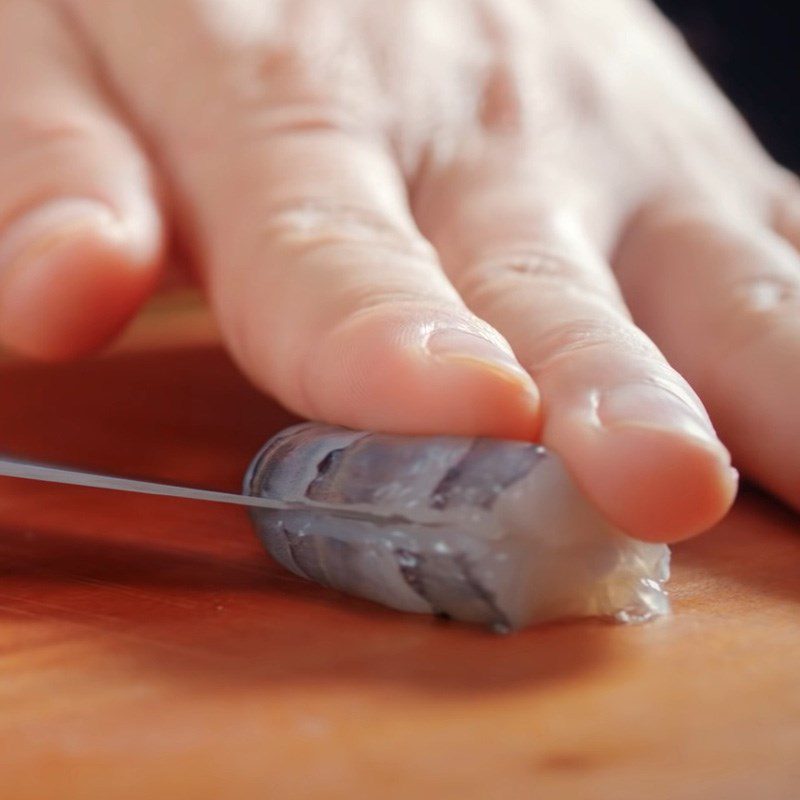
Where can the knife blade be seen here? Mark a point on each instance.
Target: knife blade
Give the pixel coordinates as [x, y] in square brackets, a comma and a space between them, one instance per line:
[25, 469]
[11, 467]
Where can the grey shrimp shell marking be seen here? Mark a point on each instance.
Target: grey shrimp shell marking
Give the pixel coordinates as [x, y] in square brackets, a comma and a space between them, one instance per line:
[479, 530]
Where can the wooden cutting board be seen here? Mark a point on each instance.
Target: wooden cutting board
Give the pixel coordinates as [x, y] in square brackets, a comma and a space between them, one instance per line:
[150, 649]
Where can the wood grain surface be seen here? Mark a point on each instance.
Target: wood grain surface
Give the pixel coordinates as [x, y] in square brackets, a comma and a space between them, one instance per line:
[150, 649]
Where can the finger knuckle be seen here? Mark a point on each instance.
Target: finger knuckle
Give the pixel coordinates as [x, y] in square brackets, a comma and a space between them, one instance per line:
[588, 335]
[294, 118]
[755, 307]
[269, 77]
[538, 271]
[307, 225]
[36, 131]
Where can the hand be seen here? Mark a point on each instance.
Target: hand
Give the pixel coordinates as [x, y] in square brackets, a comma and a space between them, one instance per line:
[422, 216]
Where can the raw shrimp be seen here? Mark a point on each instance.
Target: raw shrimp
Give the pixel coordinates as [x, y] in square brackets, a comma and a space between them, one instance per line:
[479, 530]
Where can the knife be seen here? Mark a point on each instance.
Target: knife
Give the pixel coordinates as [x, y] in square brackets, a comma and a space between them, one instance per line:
[51, 473]
[11, 467]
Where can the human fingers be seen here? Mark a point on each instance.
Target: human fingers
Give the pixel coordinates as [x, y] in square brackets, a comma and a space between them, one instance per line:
[288, 193]
[80, 231]
[630, 429]
[331, 299]
[720, 292]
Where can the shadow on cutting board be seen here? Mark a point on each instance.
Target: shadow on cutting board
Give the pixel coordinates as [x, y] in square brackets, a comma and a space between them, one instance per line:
[184, 588]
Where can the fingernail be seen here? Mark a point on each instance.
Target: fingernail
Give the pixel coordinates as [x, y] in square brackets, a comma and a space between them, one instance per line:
[44, 228]
[643, 405]
[453, 344]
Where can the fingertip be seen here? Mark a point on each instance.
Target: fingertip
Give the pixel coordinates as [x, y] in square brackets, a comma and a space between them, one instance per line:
[407, 373]
[71, 275]
[658, 485]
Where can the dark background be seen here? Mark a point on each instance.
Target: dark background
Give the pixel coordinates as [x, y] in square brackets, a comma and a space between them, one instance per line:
[753, 51]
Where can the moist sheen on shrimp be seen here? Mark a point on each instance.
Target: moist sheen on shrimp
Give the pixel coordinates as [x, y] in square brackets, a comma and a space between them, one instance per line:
[479, 530]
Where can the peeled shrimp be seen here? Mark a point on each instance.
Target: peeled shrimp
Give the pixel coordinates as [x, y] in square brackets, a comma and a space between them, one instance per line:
[479, 530]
